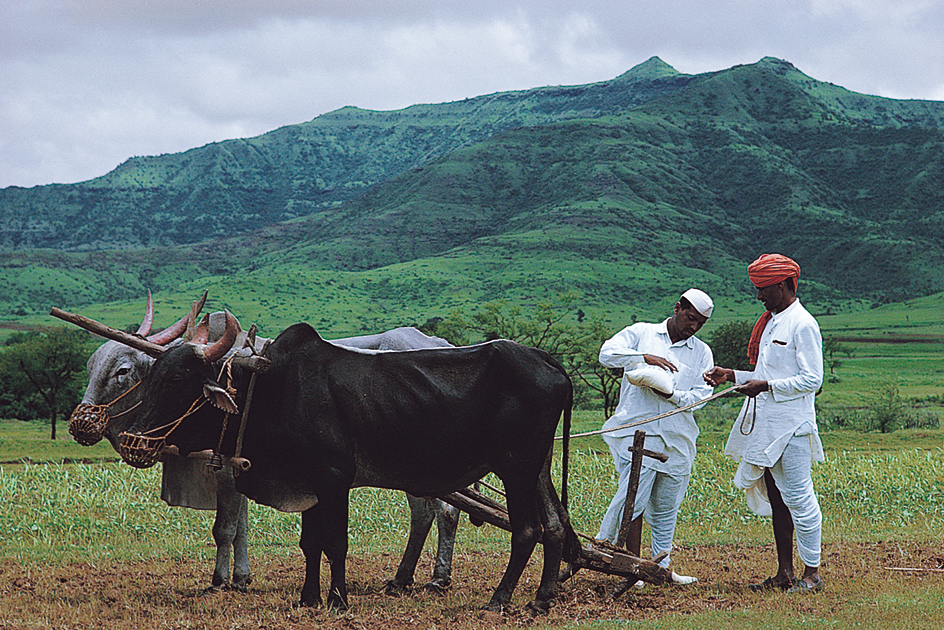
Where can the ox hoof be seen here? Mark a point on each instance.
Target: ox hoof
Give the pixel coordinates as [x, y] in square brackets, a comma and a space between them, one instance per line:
[337, 604]
[214, 589]
[396, 589]
[240, 586]
[538, 607]
[437, 586]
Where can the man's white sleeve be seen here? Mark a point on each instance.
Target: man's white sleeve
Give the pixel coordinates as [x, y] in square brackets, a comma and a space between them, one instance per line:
[681, 398]
[619, 351]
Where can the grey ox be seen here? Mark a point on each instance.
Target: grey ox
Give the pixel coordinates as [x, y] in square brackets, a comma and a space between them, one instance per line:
[114, 369]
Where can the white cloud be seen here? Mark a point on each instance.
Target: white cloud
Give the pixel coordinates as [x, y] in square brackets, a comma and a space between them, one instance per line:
[85, 84]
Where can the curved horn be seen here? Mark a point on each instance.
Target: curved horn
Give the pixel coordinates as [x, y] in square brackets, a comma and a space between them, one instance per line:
[215, 351]
[145, 328]
[192, 319]
[202, 332]
[176, 329]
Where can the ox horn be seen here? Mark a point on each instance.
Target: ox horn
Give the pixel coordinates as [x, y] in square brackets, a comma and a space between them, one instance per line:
[145, 346]
[145, 328]
[176, 329]
[201, 334]
[192, 320]
[215, 351]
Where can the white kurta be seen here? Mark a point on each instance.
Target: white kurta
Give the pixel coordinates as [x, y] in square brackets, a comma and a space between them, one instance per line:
[791, 361]
[662, 486]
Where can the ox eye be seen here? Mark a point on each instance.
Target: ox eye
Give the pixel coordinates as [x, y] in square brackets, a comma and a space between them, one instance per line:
[122, 371]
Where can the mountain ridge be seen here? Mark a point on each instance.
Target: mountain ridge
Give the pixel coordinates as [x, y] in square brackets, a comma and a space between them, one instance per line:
[288, 172]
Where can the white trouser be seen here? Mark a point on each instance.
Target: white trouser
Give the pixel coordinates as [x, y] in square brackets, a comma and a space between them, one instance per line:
[792, 475]
[658, 498]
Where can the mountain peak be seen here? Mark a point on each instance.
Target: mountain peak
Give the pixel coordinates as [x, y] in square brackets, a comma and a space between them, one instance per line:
[652, 68]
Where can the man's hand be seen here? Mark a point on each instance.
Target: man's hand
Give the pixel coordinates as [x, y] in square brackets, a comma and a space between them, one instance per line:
[665, 364]
[717, 375]
[753, 387]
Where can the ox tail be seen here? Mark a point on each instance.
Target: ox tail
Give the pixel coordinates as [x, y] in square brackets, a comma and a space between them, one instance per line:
[571, 542]
[565, 450]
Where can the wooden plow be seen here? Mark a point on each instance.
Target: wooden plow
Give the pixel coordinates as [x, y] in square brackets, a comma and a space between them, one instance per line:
[595, 555]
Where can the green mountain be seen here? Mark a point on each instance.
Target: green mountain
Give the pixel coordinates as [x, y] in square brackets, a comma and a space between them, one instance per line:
[757, 158]
[236, 186]
[624, 191]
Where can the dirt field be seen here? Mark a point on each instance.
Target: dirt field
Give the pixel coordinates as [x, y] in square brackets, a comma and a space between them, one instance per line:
[169, 593]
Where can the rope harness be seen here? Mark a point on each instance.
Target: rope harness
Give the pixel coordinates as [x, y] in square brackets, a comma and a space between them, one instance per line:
[143, 450]
[88, 423]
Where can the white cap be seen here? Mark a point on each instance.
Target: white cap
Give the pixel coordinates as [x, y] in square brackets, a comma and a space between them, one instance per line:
[700, 300]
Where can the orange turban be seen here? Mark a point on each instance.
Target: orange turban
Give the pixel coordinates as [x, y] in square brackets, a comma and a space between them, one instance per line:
[766, 271]
[770, 269]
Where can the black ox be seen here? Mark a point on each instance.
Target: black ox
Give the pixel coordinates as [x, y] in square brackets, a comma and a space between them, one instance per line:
[324, 419]
[114, 369]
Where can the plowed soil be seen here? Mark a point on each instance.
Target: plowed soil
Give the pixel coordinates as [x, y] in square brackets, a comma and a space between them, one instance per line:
[169, 593]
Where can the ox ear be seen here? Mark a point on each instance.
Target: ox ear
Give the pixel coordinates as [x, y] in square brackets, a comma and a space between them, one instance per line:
[220, 398]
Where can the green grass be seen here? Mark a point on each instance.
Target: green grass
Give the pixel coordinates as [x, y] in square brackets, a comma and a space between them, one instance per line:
[881, 495]
[56, 512]
[29, 441]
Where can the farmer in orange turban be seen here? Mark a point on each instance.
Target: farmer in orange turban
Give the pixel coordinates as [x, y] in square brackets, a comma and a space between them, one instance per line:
[767, 271]
[775, 437]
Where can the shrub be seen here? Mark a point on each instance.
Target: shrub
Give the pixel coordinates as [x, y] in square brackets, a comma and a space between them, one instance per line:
[887, 410]
[729, 344]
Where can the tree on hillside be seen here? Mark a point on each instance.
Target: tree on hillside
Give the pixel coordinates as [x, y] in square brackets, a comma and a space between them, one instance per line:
[40, 374]
[585, 364]
[729, 344]
[887, 410]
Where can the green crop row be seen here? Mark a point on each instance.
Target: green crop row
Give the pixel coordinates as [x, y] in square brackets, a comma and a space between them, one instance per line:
[62, 512]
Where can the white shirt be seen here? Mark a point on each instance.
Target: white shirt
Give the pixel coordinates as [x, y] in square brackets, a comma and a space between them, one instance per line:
[675, 435]
[791, 361]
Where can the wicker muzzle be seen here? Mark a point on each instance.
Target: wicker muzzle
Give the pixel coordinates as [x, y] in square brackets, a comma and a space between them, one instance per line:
[141, 451]
[87, 423]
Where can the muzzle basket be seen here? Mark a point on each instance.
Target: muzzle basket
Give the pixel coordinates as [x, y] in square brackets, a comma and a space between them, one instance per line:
[87, 423]
[141, 451]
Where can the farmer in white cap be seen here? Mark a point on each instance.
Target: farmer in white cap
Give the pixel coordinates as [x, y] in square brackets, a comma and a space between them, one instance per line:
[662, 370]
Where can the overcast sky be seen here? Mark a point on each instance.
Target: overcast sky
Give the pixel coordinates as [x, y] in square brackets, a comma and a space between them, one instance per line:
[86, 84]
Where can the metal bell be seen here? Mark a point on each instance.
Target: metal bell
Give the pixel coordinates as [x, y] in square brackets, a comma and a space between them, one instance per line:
[216, 461]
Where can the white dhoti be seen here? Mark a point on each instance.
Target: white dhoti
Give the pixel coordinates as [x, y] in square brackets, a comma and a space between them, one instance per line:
[792, 475]
[658, 499]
